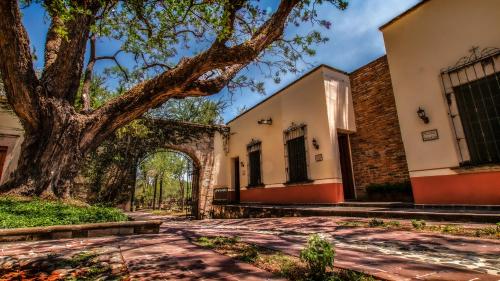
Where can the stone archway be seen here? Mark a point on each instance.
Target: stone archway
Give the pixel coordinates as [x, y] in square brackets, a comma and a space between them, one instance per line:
[195, 140]
[188, 179]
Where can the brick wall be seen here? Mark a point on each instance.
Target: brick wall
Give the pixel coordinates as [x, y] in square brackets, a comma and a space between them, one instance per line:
[378, 154]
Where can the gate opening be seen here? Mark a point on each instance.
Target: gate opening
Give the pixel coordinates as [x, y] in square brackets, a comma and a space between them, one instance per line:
[167, 182]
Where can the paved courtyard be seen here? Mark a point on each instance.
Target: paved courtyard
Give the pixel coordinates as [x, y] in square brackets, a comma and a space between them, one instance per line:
[388, 254]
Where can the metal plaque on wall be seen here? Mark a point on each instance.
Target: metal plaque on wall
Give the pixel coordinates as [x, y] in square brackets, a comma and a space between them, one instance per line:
[430, 135]
[318, 157]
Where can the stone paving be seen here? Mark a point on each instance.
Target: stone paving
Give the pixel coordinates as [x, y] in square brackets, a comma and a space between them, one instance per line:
[389, 254]
[147, 257]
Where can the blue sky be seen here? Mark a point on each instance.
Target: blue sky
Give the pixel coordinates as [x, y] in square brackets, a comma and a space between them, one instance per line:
[354, 41]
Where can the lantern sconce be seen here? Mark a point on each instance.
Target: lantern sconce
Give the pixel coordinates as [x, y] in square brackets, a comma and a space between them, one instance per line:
[315, 143]
[422, 115]
[268, 121]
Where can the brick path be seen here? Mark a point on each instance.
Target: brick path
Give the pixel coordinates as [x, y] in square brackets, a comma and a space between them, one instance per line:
[388, 254]
[150, 257]
[392, 255]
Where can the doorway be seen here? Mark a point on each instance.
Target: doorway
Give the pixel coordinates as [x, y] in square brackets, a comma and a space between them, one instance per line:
[3, 155]
[236, 177]
[346, 167]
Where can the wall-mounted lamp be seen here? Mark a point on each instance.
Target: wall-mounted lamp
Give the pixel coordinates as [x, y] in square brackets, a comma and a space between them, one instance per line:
[421, 113]
[315, 144]
[268, 121]
[242, 164]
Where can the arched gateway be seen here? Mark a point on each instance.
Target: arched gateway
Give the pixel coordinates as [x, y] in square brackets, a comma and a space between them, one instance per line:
[202, 143]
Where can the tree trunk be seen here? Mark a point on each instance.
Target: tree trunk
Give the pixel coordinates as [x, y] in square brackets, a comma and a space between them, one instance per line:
[50, 157]
[161, 192]
[154, 192]
[181, 184]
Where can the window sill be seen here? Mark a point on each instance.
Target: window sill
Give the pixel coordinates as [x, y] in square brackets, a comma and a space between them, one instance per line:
[477, 168]
[256, 186]
[298, 182]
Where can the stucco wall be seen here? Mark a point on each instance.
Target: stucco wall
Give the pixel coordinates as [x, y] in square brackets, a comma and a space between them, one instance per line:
[432, 37]
[11, 135]
[321, 100]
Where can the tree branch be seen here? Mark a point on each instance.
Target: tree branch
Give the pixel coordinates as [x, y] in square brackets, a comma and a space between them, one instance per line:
[179, 80]
[113, 58]
[213, 85]
[65, 52]
[16, 64]
[87, 79]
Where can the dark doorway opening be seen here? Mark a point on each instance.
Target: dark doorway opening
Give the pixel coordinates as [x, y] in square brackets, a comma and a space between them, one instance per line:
[3, 155]
[236, 176]
[346, 166]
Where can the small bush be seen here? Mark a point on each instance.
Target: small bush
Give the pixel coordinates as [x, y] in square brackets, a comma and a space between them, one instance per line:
[418, 224]
[319, 256]
[376, 223]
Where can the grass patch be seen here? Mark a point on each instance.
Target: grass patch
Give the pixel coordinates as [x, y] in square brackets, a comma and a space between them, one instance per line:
[278, 263]
[17, 212]
[490, 231]
[174, 213]
[418, 224]
[351, 223]
[376, 223]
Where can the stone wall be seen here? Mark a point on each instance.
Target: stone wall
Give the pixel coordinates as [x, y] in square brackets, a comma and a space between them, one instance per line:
[116, 182]
[378, 154]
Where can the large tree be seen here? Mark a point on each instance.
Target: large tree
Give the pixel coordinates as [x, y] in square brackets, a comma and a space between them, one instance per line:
[182, 48]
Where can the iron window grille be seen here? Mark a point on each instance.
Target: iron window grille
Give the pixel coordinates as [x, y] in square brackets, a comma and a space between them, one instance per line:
[472, 92]
[254, 151]
[296, 156]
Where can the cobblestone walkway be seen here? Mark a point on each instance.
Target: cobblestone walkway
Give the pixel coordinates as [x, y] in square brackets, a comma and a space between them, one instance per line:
[395, 255]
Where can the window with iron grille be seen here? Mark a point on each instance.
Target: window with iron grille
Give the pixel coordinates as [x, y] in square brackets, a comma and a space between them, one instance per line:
[473, 94]
[296, 154]
[254, 163]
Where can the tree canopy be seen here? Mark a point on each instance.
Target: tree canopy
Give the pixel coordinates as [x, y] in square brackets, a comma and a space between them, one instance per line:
[181, 48]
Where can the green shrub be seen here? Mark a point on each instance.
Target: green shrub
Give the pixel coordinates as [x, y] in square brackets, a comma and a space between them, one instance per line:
[418, 224]
[15, 213]
[249, 254]
[376, 223]
[319, 256]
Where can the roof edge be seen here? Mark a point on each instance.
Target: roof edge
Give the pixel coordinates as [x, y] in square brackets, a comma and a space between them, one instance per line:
[314, 69]
[408, 11]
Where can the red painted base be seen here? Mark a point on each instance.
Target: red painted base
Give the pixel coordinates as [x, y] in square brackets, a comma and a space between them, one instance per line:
[299, 194]
[463, 189]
